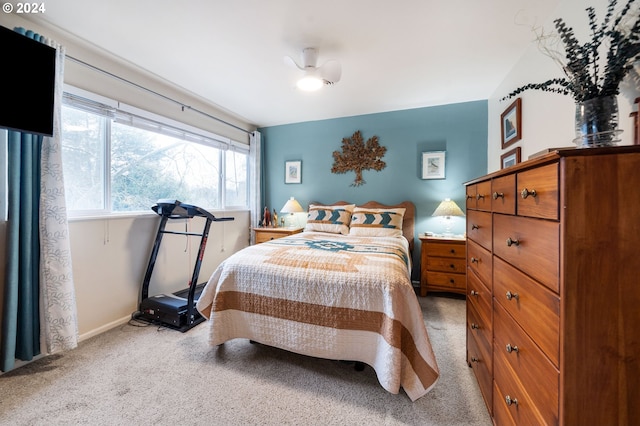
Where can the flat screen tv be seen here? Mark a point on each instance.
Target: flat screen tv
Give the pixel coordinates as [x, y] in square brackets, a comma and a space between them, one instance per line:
[27, 74]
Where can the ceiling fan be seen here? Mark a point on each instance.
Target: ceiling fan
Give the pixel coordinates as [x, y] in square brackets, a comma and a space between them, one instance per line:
[315, 76]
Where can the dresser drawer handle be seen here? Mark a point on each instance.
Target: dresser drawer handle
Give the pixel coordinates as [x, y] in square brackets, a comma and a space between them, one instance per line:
[525, 193]
[474, 326]
[469, 196]
[474, 359]
[511, 242]
[497, 195]
[474, 226]
[513, 348]
[512, 296]
[474, 293]
[474, 260]
[510, 400]
[479, 196]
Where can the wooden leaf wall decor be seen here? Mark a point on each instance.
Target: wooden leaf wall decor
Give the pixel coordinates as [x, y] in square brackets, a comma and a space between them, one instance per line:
[358, 155]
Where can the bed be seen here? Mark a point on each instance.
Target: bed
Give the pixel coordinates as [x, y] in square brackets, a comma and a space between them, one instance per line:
[339, 290]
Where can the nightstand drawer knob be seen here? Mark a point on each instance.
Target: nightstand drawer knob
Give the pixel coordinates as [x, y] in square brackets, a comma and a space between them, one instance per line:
[525, 193]
[510, 400]
[474, 326]
[511, 242]
[474, 260]
[497, 195]
[474, 226]
[479, 197]
[474, 359]
[512, 296]
[474, 293]
[513, 348]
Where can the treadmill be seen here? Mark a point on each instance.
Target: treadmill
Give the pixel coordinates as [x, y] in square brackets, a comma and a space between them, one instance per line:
[176, 310]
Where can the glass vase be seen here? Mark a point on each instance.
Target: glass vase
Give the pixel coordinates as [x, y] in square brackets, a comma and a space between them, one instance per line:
[597, 122]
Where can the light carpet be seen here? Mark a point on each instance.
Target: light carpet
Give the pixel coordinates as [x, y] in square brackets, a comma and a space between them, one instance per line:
[156, 376]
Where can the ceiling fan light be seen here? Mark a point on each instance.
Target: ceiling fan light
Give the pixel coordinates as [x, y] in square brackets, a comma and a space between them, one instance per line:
[309, 83]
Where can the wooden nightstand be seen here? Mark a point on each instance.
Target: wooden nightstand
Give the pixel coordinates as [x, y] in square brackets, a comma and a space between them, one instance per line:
[267, 234]
[443, 265]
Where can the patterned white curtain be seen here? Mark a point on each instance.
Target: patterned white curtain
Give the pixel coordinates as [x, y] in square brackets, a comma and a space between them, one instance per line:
[58, 322]
[255, 188]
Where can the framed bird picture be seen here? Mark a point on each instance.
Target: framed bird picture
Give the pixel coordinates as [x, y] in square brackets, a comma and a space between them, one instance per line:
[433, 165]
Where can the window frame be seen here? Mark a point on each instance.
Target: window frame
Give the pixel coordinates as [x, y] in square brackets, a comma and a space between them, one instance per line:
[114, 111]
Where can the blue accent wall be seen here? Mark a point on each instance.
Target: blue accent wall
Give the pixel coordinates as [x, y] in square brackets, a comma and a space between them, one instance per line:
[459, 129]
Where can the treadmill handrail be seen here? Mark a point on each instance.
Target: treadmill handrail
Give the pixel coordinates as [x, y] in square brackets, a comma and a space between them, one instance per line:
[174, 209]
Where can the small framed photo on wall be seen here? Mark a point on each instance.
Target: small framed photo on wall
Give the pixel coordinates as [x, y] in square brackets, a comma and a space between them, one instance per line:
[293, 171]
[511, 123]
[510, 158]
[433, 165]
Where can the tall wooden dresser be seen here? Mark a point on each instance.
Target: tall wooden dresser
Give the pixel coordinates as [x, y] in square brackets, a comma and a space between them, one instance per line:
[553, 288]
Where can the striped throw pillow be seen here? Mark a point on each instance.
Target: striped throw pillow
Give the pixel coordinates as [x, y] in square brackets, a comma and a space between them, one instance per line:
[332, 219]
[377, 222]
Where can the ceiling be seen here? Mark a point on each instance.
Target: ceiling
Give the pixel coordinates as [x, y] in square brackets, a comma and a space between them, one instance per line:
[394, 55]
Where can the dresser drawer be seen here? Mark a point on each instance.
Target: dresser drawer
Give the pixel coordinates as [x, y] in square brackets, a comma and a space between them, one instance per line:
[471, 190]
[481, 369]
[443, 264]
[538, 192]
[503, 194]
[532, 244]
[446, 282]
[482, 334]
[445, 249]
[479, 227]
[483, 196]
[262, 237]
[501, 414]
[517, 357]
[479, 261]
[480, 297]
[267, 234]
[533, 306]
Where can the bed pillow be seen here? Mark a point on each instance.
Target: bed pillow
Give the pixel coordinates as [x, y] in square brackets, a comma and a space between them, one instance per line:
[377, 222]
[332, 219]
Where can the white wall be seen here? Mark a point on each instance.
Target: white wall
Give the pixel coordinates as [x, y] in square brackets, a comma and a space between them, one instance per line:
[110, 257]
[548, 118]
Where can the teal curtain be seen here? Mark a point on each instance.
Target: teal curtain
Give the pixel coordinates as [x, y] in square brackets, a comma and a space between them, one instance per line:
[20, 313]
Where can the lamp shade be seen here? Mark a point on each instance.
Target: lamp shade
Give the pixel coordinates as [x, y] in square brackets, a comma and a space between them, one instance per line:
[291, 206]
[448, 208]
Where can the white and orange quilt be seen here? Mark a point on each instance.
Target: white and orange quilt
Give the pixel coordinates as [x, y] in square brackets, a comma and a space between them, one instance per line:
[330, 296]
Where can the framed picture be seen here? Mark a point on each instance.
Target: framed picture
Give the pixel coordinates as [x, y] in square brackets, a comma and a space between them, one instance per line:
[433, 165]
[293, 171]
[510, 158]
[511, 123]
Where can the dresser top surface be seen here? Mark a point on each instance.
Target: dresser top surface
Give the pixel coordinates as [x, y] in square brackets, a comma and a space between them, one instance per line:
[555, 154]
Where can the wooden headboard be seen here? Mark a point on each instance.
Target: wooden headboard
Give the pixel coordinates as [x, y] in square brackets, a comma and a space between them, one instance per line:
[408, 222]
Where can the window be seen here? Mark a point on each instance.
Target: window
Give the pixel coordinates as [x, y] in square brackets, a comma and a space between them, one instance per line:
[118, 161]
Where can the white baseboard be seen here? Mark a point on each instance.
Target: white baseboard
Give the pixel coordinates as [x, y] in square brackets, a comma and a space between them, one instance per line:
[104, 328]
